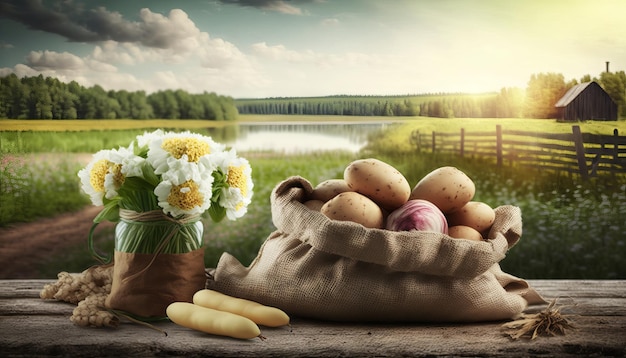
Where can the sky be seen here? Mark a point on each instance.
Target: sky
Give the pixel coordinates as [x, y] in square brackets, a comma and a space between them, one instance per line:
[309, 48]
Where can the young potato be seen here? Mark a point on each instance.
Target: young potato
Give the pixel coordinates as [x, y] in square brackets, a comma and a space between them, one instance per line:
[474, 214]
[212, 321]
[464, 232]
[258, 313]
[352, 206]
[379, 181]
[328, 189]
[447, 187]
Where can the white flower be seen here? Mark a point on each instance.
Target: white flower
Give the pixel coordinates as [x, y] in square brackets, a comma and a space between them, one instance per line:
[131, 163]
[185, 146]
[93, 176]
[184, 191]
[147, 138]
[237, 195]
[185, 172]
[123, 163]
[106, 172]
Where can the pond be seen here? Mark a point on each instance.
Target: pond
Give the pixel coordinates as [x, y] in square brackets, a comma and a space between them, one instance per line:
[299, 137]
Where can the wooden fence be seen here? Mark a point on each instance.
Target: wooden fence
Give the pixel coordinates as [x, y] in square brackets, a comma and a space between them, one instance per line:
[576, 152]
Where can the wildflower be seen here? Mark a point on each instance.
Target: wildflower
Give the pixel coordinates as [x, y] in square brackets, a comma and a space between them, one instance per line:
[146, 138]
[236, 195]
[173, 172]
[184, 192]
[93, 176]
[185, 146]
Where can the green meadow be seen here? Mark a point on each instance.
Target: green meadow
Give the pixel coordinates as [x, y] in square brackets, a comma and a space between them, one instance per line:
[572, 228]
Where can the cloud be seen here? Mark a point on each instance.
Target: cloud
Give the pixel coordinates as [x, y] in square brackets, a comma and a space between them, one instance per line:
[77, 24]
[6, 45]
[216, 66]
[171, 39]
[153, 53]
[51, 60]
[280, 53]
[36, 16]
[330, 22]
[271, 5]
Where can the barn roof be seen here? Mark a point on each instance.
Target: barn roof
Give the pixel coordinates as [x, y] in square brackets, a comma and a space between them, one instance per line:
[571, 94]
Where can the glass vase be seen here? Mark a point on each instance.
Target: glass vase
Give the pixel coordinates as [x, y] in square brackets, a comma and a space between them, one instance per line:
[161, 236]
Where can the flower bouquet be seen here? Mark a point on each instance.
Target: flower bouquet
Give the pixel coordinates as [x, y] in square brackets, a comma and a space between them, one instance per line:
[158, 190]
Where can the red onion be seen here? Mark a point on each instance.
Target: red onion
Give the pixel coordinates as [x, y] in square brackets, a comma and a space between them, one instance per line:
[417, 214]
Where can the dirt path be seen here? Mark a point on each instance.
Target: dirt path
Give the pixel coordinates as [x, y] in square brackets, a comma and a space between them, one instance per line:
[25, 245]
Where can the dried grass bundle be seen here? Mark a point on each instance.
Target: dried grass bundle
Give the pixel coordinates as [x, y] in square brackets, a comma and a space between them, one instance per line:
[548, 322]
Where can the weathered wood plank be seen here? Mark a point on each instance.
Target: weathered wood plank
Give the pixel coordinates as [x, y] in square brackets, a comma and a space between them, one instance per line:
[34, 327]
[21, 288]
[34, 306]
[307, 338]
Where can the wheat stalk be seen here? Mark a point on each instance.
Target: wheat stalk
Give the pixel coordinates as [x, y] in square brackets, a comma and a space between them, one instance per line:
[548, 322]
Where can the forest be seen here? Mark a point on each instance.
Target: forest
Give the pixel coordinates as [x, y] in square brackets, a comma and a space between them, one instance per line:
[48, 98]
[536, 101]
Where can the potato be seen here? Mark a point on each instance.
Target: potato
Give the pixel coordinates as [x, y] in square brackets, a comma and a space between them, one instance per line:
[446, 187]
[328, 189]
[379, 181]
[352, 206]
[474, 214]
[252, 310]
[212, 321]
[315, 205]
[464, 232]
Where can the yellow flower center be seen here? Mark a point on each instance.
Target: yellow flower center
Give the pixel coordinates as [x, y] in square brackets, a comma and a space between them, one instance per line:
[237, 179]
[96, 176]
[185, 196]
[193, 147]
[118, 177]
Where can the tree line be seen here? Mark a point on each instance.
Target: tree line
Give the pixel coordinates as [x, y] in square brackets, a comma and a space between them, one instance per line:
[48, 98]
[333, 105]
[536, 101]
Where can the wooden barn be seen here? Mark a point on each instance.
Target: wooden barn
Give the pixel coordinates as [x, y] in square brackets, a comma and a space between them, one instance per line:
[586, 101]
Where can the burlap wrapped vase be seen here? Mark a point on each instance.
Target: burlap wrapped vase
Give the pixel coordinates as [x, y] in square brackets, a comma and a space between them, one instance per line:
[145, 284]
[157, 261]
[319, 268]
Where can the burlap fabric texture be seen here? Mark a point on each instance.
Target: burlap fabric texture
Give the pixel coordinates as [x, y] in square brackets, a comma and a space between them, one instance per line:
[319, 268]
[145, 284]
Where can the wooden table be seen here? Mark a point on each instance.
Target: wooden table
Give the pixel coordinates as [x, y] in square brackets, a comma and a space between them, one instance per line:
[31, 327]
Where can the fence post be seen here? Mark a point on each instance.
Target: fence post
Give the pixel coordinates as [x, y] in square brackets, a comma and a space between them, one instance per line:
[462, 141]
[615, 146]
[580, 152]
[499, 144]
[434, 142]
[415, 140]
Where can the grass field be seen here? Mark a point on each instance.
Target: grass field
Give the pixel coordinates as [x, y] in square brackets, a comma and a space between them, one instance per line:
[572, 229]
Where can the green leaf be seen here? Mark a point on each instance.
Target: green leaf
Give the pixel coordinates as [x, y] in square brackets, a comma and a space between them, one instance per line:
[138, 200]
[135, 183]
[110, 212]
[92, 248]
[141, 151]
[148, 174]
[217, 213]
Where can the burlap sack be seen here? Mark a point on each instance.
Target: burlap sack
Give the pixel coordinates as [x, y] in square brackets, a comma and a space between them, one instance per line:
[144, 284]
[315, 267]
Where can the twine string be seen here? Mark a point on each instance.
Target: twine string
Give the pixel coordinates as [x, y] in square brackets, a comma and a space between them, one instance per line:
[156, 215]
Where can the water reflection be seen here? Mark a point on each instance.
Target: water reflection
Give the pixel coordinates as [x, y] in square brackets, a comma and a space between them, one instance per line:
[298, 137]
